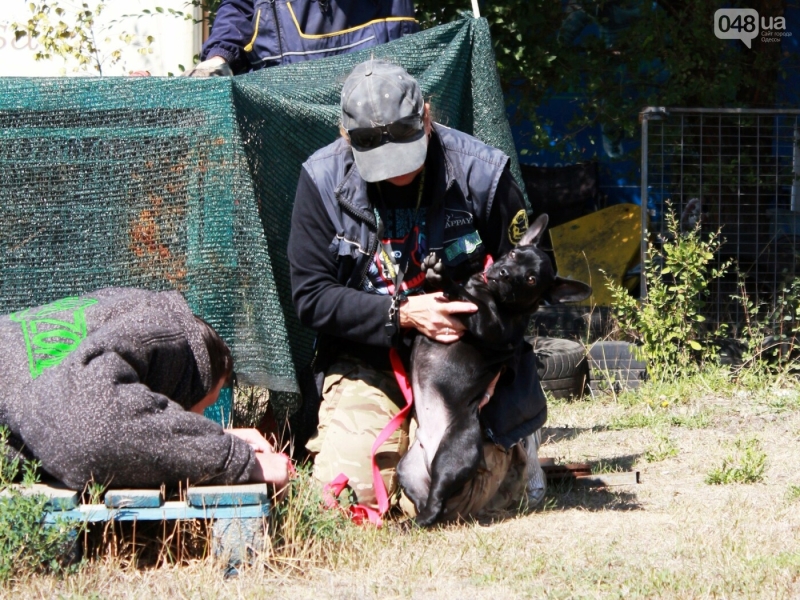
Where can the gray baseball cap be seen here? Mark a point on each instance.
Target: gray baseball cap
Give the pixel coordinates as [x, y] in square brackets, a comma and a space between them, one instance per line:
[376, 94]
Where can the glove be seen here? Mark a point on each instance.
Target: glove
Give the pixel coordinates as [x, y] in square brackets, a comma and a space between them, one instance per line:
[216, 66]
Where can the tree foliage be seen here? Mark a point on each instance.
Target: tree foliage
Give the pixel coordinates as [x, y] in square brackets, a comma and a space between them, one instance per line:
[617, 56]
[72, 31]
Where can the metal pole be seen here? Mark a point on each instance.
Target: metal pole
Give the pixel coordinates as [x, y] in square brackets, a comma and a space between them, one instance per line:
[794, 205]
[642, 278]
[476, 9]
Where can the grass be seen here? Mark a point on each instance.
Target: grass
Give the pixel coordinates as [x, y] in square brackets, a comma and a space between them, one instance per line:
[655, 419]
[745, 464]
[663, 448]
[671, 536]
[793, 493]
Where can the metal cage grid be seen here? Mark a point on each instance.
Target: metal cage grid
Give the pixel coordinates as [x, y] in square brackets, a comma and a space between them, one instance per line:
[736, 171]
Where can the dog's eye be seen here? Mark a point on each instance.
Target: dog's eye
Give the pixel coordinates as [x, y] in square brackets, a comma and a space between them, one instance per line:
[531, 280]
[512, 255]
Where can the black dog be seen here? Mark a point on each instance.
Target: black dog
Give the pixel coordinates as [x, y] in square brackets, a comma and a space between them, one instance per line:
[449, 380]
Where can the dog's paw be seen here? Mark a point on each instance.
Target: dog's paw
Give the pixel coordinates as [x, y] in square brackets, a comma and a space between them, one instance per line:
[434, 271]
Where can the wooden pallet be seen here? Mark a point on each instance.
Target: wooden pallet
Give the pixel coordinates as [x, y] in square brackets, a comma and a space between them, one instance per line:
[237, 512]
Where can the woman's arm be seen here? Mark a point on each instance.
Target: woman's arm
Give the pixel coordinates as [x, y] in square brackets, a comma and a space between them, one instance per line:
[231, 32]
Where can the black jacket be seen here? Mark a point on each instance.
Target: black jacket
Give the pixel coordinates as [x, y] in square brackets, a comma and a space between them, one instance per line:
[334, 237]
[97, 388]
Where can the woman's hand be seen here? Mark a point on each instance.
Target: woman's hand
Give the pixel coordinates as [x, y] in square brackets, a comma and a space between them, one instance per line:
[489, 391]
[271, 467]
[274, 468]
[432, 315]
[253, 437]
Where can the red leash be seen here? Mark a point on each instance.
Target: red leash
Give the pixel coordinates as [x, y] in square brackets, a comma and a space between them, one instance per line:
[358, 512]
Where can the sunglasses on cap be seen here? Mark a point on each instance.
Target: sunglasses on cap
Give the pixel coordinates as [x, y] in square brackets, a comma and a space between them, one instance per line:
[398, 131]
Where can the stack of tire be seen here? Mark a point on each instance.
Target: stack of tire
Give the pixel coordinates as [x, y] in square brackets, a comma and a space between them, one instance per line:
[562, 366]
[566, 370]
[614, 367]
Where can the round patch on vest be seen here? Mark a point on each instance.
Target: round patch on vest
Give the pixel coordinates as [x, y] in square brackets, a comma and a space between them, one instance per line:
[518, 227]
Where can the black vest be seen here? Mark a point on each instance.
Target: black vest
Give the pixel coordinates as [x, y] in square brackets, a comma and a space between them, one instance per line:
[469, 172]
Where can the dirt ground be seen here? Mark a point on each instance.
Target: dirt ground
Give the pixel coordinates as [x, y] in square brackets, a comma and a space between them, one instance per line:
[671, 536]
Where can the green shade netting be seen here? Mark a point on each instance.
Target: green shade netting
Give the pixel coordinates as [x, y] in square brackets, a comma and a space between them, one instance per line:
[188, 184]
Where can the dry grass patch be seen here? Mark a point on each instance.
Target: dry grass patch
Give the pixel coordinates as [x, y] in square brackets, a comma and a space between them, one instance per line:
[671, 536]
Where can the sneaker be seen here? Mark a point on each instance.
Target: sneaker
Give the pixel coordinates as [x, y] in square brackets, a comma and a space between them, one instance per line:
[537, 485]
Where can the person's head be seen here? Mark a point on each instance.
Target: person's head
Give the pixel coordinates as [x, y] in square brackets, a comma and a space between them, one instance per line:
[220, 362]
[386, 122]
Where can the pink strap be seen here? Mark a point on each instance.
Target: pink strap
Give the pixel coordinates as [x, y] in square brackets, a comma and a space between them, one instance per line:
[359, 513]
[405, 387]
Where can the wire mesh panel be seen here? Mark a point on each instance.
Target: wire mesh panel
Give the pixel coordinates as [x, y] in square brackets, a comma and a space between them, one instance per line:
[731, 170]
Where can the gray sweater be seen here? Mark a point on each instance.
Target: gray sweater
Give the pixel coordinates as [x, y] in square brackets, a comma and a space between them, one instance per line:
[98, 388]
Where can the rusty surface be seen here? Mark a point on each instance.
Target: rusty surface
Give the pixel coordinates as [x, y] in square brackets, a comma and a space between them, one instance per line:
[581, 475]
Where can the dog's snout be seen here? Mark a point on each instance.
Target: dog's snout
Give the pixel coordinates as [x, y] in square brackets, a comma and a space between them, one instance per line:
[504, 273]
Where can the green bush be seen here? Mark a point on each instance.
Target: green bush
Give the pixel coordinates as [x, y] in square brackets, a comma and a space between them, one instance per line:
[669, 323]
[27, 544]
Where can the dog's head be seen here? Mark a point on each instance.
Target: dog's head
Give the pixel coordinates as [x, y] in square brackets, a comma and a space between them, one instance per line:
[524, 277]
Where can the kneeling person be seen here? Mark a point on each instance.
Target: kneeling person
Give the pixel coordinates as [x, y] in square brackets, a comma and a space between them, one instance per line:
[110, 387]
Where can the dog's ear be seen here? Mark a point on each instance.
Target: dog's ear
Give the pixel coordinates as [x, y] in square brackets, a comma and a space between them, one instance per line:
[568, 290]
[535, 231]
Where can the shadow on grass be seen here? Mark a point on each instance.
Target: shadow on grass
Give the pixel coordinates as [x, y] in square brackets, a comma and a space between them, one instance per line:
[553, 435]
[615, 464]
[564, 494]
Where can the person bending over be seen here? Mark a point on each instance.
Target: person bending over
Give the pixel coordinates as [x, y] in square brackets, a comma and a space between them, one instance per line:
[110, 387]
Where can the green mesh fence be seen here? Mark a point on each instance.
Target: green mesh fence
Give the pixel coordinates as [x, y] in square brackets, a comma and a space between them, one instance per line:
[188, 184]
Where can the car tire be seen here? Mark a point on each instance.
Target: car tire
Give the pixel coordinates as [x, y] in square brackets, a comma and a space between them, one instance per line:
[562, 366]
[614, 367]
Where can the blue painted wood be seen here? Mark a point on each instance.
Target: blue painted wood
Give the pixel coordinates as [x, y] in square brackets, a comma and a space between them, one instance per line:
[94, 513]
[228, 495]
[58, 496]
[237, 513]
[133, 498]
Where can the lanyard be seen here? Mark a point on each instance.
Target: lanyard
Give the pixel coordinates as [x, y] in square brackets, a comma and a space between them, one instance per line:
[395, 272]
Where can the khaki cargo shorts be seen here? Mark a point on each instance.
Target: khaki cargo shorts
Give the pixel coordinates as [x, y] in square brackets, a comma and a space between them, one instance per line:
[358, 401]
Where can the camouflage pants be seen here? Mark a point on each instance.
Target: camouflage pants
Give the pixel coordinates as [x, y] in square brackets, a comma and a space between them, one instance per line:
[357, 403]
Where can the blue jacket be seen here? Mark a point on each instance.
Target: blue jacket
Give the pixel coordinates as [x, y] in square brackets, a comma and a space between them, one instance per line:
[252, 34]
[469, 176]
